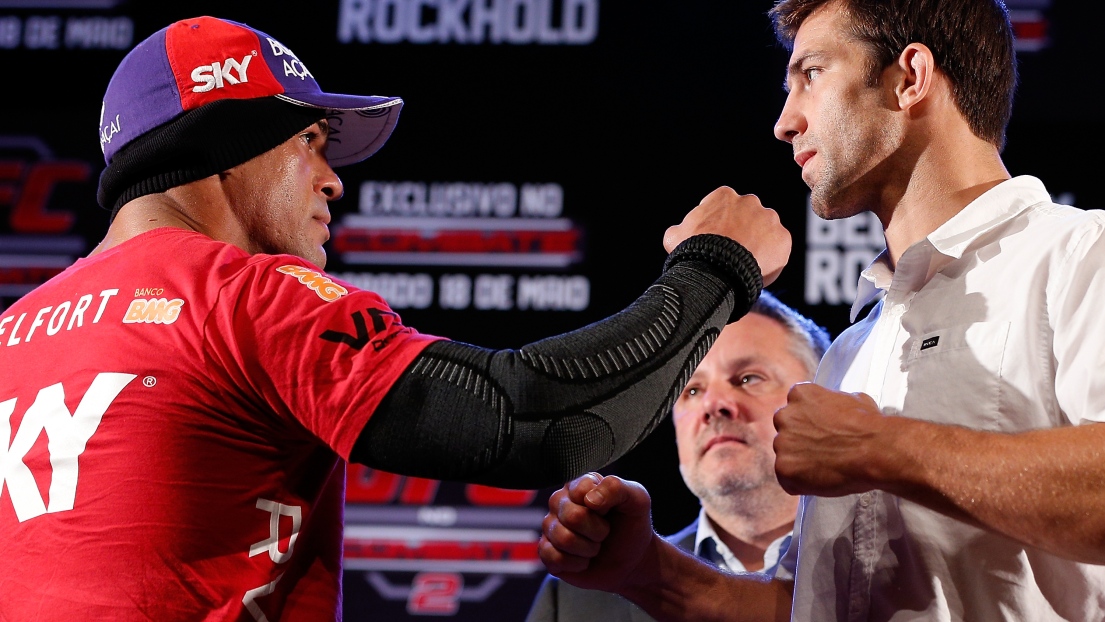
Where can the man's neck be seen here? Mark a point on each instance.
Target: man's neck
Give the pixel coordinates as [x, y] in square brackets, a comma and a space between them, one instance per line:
[752, 523]
[944, 181]
[139, 216]
[195, 206]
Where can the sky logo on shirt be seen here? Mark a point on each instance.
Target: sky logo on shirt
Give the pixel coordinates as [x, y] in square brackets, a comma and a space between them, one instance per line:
[315, 281]
[68, 432]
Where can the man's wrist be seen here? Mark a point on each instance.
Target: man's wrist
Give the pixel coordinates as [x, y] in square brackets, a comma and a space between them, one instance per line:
[726, 259]
[893, 457]
[648, 572]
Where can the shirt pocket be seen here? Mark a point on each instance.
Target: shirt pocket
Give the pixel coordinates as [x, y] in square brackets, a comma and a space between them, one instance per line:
[954, 375]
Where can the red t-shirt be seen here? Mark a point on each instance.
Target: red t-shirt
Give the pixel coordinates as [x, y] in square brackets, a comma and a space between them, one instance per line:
[174, 419]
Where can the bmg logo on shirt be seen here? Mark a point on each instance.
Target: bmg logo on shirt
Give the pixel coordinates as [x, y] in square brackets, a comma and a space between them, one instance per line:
[326, 289]
[153, 311]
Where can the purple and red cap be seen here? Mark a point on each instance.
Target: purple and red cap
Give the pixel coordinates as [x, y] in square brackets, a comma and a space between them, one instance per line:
[199, 61]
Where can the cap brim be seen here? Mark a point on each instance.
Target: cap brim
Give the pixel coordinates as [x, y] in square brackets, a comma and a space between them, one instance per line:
[359, 125]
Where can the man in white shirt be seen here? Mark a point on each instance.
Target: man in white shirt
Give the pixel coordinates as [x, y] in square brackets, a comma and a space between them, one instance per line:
[963, 479]
[724, 432]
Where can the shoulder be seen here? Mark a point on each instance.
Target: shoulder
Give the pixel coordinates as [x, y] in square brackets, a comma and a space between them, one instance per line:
[1067, 240]
[182, 246]
[1062, 225]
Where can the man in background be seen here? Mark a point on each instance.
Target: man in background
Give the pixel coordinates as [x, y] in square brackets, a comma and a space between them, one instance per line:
[724, 432]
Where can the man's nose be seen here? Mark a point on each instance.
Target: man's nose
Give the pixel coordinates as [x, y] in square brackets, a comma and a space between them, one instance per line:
[791, 122]
[719, 404]
[329, 184]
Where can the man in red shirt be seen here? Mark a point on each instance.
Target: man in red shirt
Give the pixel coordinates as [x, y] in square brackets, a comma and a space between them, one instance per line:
[177, 408]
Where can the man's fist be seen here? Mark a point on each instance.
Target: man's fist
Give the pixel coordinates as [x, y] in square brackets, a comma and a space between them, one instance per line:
[597, 532]
[829, 443]
[741, 218]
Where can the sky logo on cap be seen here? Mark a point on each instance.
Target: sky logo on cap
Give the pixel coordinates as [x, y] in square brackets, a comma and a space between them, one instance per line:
[217, 75]
[209, 56]
[199, 61]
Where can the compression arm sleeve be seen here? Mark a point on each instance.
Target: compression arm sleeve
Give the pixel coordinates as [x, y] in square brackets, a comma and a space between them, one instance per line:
[562, 406]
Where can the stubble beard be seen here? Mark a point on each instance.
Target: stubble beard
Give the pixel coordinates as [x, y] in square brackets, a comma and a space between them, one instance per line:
[270, 237]
[852, 177]
[830, 195]
[731, 485]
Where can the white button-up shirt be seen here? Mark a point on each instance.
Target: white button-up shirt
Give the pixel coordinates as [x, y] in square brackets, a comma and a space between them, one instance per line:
[709, 546]
[995, 321]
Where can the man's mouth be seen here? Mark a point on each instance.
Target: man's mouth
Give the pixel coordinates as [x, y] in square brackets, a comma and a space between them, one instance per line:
[720, 440]
[803, 156]
[325, 230]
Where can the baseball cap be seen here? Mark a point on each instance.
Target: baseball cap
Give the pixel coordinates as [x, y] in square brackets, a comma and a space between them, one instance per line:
[204, 60]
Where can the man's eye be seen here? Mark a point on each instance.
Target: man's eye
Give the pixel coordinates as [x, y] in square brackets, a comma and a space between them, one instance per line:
[747, 379]
[691, 391]
[812, 73]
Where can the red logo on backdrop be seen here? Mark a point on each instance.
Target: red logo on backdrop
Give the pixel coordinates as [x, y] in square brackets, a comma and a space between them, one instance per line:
[372, 486]
[394, 528]
[27, 186]
[229, 65]
[36, 242]
[435, 593]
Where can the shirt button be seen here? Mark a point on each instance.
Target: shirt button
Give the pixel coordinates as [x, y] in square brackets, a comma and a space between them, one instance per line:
[865, 499]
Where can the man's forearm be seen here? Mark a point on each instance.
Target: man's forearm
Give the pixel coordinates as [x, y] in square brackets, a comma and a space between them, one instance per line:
[562, 406]
[1044, 488]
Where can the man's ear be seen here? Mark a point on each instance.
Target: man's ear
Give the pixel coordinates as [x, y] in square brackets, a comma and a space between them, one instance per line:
[917, 75]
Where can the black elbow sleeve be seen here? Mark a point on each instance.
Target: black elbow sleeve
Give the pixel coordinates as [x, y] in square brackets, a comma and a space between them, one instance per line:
[559, 407]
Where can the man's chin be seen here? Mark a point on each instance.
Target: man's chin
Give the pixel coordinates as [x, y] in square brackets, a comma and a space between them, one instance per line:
[832, 208]
[316, 256]
[717, 489]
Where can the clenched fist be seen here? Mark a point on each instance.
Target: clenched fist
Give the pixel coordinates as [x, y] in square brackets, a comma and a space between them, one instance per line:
[597, 532]
[829, 443]
[741, 218]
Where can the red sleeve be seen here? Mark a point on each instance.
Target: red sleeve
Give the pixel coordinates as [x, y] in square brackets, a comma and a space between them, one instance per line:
[309, 349]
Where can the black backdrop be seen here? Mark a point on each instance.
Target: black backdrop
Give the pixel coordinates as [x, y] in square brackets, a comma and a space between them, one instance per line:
[592, 125]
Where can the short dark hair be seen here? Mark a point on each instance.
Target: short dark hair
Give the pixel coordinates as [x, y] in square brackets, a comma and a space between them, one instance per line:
[971, 41]
[808, 340]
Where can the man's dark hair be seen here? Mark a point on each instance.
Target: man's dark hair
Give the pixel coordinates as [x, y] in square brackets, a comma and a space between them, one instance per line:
[971, 41]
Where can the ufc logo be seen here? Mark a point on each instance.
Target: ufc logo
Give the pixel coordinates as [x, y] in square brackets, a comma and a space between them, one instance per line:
[27, 188]
[216, 75]
[68, 433]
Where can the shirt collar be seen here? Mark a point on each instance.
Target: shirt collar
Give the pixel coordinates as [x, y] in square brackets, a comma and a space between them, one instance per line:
[873, 281]
[993, 208]
[709, 546]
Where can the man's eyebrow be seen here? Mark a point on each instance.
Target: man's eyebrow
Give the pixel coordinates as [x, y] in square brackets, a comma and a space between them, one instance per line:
[742, 361]
[324, 125]
[795, 66]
